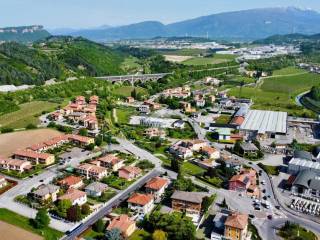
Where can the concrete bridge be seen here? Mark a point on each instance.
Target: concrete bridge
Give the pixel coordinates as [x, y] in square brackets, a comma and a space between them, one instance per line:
[133, 78]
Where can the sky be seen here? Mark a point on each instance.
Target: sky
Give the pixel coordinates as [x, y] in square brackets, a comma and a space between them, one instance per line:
[92, 13]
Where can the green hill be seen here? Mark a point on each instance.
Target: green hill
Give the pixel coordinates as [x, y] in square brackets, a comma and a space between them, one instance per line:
[24, 34]
[56, 57]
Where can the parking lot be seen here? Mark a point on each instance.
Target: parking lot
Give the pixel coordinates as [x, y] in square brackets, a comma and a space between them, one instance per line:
[74, 153]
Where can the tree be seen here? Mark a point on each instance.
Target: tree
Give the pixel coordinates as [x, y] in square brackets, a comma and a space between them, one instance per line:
[175, 165]
[85, 209]
[224, 204]
[83, 132]
[114, 234]
[237, 147]
[63, 206]
[98, 140]
[99, 226]
[134, 93]
[90, 147]
[74, 213]
[42, 219]
[159, 235]
[207, 202]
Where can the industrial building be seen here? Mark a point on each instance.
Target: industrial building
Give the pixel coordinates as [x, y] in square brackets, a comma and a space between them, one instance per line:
[260, 124]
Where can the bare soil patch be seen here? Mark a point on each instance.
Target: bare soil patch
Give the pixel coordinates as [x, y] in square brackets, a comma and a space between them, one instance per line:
[10, 232]
[177, 58]
[11, 142]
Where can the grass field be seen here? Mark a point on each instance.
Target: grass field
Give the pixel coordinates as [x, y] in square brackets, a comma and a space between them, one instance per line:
[288, 71]
[24, 223]
[278, 92]
[10, 142]
[192, 169]
[125, 91]
[27, 114]
[124, 114]
[216, 59]
[184, 52]
[130, 63]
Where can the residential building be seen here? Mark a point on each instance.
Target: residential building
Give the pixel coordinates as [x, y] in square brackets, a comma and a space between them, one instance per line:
[156, 186]
[201, 103]
[80, 140]
[141, 203]
[46, 192]
[179, 124]
[129, 172]
[15, 165]
[124, 224]
[155, 132]
[236, 227]
[96, 189]
[210, 152]
[188, 202]
[92, 171]
[94, 100]
[248, 149]
[75, 196]
[221, 134]
[130, 100]
[245, 182]
[144, 109]
[71, 182]
[110, 161]
[34, 157]
[181, 152]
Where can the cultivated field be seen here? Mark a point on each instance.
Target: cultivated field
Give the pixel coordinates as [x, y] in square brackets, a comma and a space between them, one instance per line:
[28, 114]
[216, 59]
[10, 142]
[177, 58]
[125, 91]
[10, 232]
[278, 92]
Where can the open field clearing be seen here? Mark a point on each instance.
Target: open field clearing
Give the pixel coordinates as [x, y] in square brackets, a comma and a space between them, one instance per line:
[22, 222]
[216, 59]
[10, 142]
[177, 58]
[27, 114]
[10, 232]
[130, 63]
[288, 71]
[125, 91]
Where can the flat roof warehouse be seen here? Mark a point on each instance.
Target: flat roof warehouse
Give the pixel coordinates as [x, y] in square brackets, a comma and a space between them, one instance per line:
[265, 121]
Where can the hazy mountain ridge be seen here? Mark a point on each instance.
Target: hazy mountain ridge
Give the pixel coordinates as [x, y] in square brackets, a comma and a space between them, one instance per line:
[23, 34]
[240, 25]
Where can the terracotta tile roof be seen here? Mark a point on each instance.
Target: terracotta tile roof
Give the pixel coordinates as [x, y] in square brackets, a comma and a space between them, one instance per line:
[91, 168]
[131, 169]
[32, 154]
[56, 140]
[110, 158]
[70, 181]
[37, 146]
[79, 138]
[239, 178]
[72, 194]
[15, 162]
[209, 150]
[140, 199]
[122, 222]
[157, 183]
[237, 220]
[94, 98]
[237, 120]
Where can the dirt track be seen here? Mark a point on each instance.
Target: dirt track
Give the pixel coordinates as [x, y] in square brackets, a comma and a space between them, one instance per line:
[11, 142]
[10, 232]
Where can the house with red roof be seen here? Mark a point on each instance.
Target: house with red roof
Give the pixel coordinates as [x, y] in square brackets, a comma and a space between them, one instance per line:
[156, 186]
[71, 182]
[15, 165]
[110, 161]
[141, 204]
[34, 157]
[92, 171]
[129, 172]
[124, 224]
[75, 196]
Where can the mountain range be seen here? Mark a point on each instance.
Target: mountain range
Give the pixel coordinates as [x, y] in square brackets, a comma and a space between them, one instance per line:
[240, 25]
[23, 34]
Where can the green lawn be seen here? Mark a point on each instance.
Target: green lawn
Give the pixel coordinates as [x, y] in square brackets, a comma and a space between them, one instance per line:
[124, 114]
[216, 59]
[192, 169]
[223, 119]
[27, 114]
[91, 234]
[125, 91]
[288, 71]
[23, 222]
[140, 235]
[270, 170]
[295, 232]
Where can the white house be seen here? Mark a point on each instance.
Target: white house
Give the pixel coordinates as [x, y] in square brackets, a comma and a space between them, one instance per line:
[141, 204]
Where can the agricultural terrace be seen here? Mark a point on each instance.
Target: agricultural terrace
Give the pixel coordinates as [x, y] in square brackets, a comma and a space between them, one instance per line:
[278, 92]
[10, 142]
[125, 91]
[27, 114]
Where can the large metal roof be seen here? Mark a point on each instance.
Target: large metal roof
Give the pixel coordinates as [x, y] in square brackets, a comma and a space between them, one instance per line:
[265, 121]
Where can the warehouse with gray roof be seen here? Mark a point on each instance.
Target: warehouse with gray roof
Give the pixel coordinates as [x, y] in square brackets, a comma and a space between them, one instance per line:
[264, 124]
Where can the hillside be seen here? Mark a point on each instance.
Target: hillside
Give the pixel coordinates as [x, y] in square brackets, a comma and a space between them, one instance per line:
[288, 39]
[241, 25]
[55, 57]
[25, 34]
